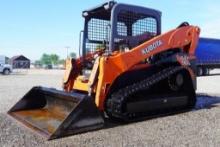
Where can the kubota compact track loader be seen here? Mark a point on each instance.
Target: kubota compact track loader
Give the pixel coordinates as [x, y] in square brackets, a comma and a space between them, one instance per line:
[127, 69]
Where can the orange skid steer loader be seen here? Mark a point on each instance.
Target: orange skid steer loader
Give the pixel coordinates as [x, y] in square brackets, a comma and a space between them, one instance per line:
[126, 70]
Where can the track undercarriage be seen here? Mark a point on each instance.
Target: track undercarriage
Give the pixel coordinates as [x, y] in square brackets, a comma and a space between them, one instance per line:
[168, 90]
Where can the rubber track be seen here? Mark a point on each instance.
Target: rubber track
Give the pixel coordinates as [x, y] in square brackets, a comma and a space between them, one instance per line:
[119, 97]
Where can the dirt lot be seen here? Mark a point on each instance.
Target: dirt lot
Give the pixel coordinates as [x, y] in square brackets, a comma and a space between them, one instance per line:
[199, 127]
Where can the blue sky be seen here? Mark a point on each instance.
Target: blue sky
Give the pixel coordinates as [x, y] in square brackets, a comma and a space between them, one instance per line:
[33, 27]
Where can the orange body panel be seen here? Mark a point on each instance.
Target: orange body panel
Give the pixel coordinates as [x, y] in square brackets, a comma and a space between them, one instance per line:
[110, 67]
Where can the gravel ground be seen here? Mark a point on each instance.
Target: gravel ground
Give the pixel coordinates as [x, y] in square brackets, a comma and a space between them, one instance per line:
[200, 127]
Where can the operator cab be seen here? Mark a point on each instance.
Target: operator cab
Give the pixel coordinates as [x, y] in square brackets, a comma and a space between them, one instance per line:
[118, 27]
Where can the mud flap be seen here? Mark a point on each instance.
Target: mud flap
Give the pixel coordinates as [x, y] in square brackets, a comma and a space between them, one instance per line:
[56, 114]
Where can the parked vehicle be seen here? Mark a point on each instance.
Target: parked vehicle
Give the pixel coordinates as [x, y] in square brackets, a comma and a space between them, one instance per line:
[5, 69]
[135, 71]
[208, 55]
[48, 66]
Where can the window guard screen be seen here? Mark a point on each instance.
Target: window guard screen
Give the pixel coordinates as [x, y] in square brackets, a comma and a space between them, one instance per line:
[134, 28]
[133, 24]
[144, 25]
[98, 31]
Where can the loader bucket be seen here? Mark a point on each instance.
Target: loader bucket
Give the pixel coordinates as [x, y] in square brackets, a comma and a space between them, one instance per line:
[56, 114]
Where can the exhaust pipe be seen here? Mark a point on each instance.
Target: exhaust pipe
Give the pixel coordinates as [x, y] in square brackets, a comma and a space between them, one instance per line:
[56, 114]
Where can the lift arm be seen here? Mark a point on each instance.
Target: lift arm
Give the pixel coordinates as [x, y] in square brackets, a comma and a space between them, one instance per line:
[185, 38]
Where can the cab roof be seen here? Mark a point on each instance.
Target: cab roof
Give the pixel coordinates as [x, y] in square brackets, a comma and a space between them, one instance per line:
[104, 10]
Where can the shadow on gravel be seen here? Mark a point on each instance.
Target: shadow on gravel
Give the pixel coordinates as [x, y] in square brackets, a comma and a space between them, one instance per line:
[204, 101]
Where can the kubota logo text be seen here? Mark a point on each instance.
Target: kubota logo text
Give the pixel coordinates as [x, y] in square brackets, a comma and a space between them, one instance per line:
[152, 47]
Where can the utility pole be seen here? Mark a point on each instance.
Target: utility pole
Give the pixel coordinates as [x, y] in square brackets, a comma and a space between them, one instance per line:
[67, 51]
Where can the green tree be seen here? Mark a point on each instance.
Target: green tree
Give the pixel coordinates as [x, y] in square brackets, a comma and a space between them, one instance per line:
[37, 62]
[54, 59]
[45, 59]
[61, 61]
[73, 55]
